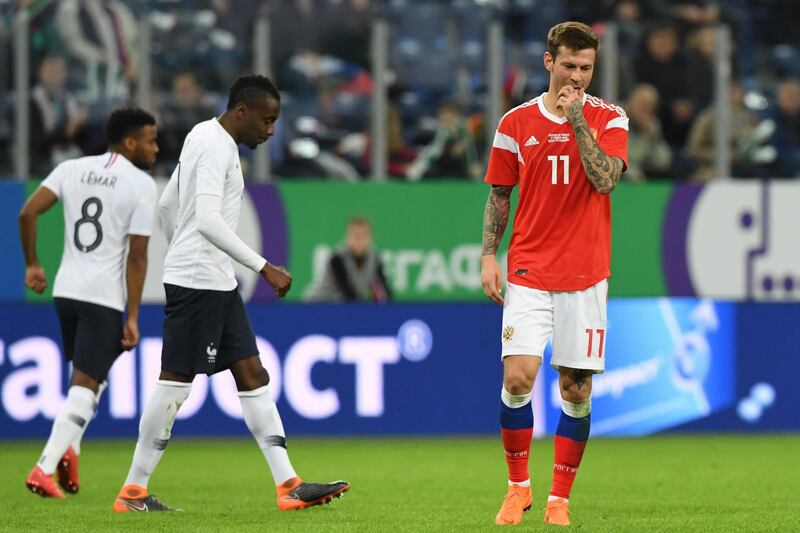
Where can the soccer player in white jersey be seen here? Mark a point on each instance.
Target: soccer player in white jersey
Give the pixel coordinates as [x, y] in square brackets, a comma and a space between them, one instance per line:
[109, 208]
[206, 327]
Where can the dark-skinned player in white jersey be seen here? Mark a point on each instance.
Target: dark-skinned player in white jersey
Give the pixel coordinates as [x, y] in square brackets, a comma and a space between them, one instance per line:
[206, 327]
[109, 207]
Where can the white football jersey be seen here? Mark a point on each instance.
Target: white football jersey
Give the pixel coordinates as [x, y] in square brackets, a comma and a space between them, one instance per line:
[106, 198]
[208, 164]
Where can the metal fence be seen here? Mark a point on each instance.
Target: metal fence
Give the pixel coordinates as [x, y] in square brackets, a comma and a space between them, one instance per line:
[381, 72]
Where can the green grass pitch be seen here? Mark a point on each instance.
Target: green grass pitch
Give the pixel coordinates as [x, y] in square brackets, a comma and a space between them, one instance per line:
[665, 483]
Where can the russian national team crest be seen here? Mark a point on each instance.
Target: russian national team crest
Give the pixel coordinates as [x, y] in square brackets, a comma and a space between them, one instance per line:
[508, 334]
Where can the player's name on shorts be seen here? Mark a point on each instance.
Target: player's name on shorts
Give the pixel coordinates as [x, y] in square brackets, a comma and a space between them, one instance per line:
[91, 177]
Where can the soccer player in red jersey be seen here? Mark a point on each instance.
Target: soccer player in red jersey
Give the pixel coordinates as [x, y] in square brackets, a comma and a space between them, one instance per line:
[566, 151]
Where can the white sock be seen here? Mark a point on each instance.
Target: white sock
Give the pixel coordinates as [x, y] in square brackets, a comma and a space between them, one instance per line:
[526, 483]
[73, 417]
[553, 498]
[514, 401]
[76, 444]
[262, 418]
[577, 410]
[155, 429]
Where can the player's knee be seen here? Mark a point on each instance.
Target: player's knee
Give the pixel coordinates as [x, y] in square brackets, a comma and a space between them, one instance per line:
[576, 392]
[166, 375]
[518, 382]
[82, 379]
[251, 378]
[575, 384]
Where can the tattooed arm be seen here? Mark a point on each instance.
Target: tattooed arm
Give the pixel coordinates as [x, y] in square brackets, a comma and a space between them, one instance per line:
[602, 170]
[495, 220]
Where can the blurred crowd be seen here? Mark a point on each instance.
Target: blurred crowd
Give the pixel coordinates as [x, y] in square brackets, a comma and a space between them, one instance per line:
[87, 58]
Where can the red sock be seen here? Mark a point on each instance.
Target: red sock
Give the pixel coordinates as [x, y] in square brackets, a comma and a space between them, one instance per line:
[568, 454]
[517, 445]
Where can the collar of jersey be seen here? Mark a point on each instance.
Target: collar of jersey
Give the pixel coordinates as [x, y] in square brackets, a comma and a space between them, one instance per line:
[225, 133]
[551, 117]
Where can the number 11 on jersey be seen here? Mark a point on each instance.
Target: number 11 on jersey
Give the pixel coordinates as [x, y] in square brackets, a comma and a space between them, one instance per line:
[554, 168]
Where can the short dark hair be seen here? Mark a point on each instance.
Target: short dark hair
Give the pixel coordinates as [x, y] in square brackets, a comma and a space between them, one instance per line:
[573, 35]
[249, 87]
[126, 122]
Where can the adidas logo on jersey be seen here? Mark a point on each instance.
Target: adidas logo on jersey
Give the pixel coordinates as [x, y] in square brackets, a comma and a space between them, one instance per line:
[531, 141]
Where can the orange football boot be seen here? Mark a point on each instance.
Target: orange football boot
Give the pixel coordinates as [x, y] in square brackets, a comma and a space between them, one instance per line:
[516, 502]
[40, 483]
[294, 493]
[134, 498]
[557, 512]
[67, 471]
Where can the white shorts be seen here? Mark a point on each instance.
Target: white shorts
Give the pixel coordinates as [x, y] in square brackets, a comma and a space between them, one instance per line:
[576, 320]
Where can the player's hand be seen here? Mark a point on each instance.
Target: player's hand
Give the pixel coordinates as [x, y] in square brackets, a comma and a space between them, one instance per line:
[278, 277]
[130, 335]
[491, 279]
[35, 278]
[567, 96]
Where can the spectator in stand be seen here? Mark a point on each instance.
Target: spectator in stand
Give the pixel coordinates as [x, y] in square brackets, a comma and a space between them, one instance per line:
[347, 36]
[400, 153]
[701, 59]
[101, 35]
[57, 120]
[786, 116]
[629, 19]
[227, 41]
[43, 33]
[451, 153]
[300, 35]
[693, 14]
[661, 65]
[354, 272]
[186, 106]
[649, 154]
[747, 134]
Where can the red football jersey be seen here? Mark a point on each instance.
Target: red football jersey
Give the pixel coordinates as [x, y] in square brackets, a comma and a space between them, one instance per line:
[562, 228]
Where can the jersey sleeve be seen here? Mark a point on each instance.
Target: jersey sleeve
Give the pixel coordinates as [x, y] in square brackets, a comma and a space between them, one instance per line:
[503, 166]
[55, 179]
[212, 168]
[613, 139]
[144, 212]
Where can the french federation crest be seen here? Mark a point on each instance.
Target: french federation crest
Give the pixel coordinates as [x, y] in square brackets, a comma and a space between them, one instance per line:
[508, 334]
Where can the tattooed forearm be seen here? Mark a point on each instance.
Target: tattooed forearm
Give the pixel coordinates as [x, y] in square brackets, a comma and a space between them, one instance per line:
[495, 218]
[603, 171]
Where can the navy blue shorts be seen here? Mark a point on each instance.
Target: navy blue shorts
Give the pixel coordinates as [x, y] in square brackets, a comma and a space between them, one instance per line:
[205, 331]
[91, 334]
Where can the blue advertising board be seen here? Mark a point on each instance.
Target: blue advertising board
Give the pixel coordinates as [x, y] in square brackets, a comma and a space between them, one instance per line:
[669, 361]
[766, 383]
[335, 369]
[414, 369]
